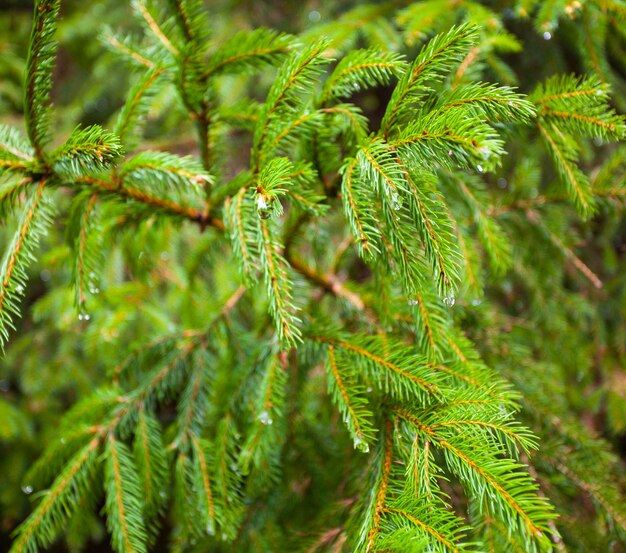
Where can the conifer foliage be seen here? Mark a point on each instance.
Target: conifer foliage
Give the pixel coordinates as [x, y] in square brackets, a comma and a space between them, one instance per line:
[323, 364]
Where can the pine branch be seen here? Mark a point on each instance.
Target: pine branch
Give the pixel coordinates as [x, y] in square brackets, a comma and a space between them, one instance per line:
[359, 70]
[202, 464]
[249, 51]
[349, 396]
[284, 102]
[14, 148]
[402, 373]
[123, 499]
[152, 470]
[278, 285]
[86, 151]
[32, 224]
[88, 258]
[43, 525]
[136, 108]
[38, 74]
[564, 154]
[371, 525]
[431, 64]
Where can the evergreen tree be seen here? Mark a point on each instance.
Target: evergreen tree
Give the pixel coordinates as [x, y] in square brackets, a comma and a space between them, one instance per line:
[323, 326]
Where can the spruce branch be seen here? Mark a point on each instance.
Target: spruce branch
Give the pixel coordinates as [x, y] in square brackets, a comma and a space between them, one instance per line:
[249, 51]
[86, 151]
[38, 76]
[44, 524]
[123, 499]
[32, 225]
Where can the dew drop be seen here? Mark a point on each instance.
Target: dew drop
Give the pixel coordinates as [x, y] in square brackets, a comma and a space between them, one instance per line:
[224, 536]
[598, 141]
[480, 168]
[210, 529]
[164, 256]
[19, 288]
[547, 35]
[361, 445]
[396, 201]
[476, 302]
[502, 183]
[449, 300]
[369, 390]
[27, 489]
[314, 16]
[45, 275]
[265, 418]
[450, 153]
[413, 301]
[62, 440]
[162, 495]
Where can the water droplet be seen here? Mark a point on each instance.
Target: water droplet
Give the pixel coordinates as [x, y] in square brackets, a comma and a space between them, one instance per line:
[598, 141]
[27, 489]
[396, 201]
[599, 92]
[480, 168]
[265, 418]
[369, 390]
[261, 202]
[547, 35]
[84, 316]
[224, 536]
[449, 300]
[162, 495]
[164, 256]
[19, 288]
[476, 302]
[94, 290]
[485, 152]
[314, 16]
[450, 153]
[413, 301]
[502, 183]
[361, 445]
[45, 275]
[62, 440]
[210, 529]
